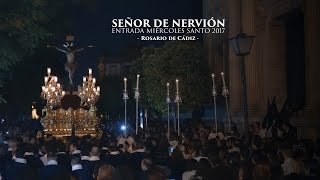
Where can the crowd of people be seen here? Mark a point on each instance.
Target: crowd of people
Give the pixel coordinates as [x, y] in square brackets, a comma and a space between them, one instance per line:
[199, 153]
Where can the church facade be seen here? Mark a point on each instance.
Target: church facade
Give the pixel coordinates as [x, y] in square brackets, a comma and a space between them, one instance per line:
[283, 62]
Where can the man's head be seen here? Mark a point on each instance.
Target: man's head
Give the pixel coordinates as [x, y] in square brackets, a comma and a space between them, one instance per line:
[105, 172]
[51, 156]
[287, 153]
[146, 164]
[51, 152]
[156, 173]
[19, 153]
[61, 146]
[73, 147]
[230, 142]
[13, 143]
[138, 145]
[95, 151]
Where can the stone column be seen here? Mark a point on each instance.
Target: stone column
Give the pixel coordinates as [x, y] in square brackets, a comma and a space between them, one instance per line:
[253, 68]
[213, 42]
[234, 63]
[312, 64]
[208, 38]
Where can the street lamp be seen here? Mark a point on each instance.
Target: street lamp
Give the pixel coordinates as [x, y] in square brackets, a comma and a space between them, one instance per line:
[242, 47]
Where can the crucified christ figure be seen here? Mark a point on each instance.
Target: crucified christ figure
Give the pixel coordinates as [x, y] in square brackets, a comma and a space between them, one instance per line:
[71, 64]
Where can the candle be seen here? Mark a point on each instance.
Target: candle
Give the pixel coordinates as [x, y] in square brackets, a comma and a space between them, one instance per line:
[84, 79]
[224, 83]
[98, 88]
[49, 71]
[94, 80]
[63, 93]
[138, 81]
[168, 88]
[125, 83]
[177, 85]
[90, 71]
[213, 85]
[45, 80]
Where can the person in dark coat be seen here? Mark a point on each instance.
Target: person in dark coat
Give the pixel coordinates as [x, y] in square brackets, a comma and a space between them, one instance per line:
[52, 171]
[115, 157]
[78, 172]
[85, 155]
[94, 161]
[18, 169]
[33, 161]
[63, 158]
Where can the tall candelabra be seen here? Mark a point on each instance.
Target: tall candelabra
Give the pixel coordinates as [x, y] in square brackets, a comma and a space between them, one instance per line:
[168, 101]
[146, 117]
[125, 99]
[225, 93]
[136, 97]
[214, 94]
[178, 100]
[52, 90]
[88, 92]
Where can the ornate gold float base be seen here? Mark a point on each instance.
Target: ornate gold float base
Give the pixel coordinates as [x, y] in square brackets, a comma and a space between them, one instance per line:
[59, 122]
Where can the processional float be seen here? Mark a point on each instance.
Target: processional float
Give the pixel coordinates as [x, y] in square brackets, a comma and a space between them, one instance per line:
[72, 112]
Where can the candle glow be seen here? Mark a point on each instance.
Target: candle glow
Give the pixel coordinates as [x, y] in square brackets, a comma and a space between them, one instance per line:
[224, 83]
[125, 83]
[138, 81]
[177, 85]
[49, 71]
[213, 84]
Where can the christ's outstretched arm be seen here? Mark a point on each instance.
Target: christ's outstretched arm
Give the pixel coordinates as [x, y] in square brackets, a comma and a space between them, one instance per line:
[59, 49]
[81, 49]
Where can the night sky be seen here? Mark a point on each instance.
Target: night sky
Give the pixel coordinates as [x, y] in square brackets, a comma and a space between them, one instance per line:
[90, 25]
[95, 26]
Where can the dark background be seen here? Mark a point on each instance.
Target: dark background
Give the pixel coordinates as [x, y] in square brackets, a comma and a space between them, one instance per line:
[90, 23]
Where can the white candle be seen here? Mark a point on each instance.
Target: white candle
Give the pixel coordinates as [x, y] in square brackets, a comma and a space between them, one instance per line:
[98, 88]
[84, 79]
[49, 71]
[168, 88]
[213, 85]
[224, 83]
[138, 81]
[90, 71]
[63, 93]
[45, 80]
[177, 85]
[94, 80]
[125, 83]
